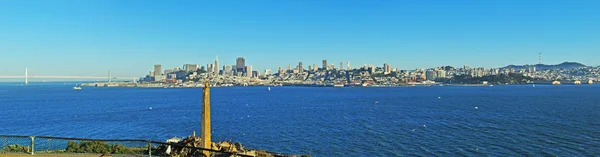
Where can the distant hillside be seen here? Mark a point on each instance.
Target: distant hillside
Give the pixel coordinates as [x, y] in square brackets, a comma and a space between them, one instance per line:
[565, 65]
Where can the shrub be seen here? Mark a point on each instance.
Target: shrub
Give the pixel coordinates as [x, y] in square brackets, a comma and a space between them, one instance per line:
[16, 148]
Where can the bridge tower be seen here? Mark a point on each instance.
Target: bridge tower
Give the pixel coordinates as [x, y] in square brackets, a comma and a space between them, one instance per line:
[26, 77]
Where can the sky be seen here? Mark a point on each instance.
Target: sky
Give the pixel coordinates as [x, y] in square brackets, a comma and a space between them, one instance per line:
[90, 37]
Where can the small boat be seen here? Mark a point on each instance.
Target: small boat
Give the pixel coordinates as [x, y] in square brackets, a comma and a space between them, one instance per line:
[76, 88]
[269, 88]
[533, 85]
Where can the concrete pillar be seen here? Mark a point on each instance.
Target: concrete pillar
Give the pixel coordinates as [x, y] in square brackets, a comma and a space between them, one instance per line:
[206, 140]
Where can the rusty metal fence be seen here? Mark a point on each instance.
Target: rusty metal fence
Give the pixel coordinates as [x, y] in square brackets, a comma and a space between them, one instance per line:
[38, 145]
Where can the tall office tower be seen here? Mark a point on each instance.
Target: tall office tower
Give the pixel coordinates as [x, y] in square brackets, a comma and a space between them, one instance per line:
[341, 66]
[315, 67]
[210, 68]
[240, 64]
[280, 71]
[325, 65]
[157, 72]
[300, 67]
[387, 68]
[249, 70]
[191, 67]
[217, 65]
[348, 67]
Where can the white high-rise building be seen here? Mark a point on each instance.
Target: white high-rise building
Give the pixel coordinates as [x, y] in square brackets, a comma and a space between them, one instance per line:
[249, 71]
[217, 65]
[348, 67]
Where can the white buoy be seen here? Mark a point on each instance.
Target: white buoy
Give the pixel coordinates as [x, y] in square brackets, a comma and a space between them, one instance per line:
[150, 108]
[425, 126]
[476, 107]
[376, 102]
[439, 97]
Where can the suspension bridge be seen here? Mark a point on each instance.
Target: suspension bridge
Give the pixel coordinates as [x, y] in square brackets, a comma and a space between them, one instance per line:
[109, 77]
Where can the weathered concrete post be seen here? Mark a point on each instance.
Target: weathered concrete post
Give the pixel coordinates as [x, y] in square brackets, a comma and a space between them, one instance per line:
[206, 141]
[32, 144]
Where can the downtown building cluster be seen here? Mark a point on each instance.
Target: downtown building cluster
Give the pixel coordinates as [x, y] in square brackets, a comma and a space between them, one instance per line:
[344, 74]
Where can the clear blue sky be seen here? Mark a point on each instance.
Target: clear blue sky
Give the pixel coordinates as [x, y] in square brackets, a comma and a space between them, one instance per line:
[88, 37]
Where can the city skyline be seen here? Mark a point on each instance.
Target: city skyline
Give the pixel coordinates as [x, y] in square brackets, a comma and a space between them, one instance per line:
[91, 37]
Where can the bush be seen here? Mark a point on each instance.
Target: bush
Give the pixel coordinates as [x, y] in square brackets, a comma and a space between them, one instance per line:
[16, 148]
[120, 149]
[100, 148]
[88, 147]
[72, 146]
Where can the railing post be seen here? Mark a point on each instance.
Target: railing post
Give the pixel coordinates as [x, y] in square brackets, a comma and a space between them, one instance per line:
[149, 149]
[32, 144]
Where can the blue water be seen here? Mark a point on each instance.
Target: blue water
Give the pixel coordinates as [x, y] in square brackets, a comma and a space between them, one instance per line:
[409, 121]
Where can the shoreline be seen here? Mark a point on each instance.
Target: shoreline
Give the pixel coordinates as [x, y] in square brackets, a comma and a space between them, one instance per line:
[158, 85]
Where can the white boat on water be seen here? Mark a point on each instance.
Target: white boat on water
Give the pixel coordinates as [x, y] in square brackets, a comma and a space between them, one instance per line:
[76, 88]
[269, 88]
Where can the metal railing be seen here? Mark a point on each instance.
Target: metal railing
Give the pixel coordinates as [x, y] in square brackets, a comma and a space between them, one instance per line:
[10, 144]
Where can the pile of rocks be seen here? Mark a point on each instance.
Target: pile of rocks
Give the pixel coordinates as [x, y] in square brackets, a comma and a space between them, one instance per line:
[191, 141]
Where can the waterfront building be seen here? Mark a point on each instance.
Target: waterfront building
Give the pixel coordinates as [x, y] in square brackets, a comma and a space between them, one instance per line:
[267, 72]
[441, 74]
[157, 72]
[430, 75]
[315, 67]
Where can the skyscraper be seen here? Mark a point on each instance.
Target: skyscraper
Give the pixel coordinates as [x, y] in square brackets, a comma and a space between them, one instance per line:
[431, 75]
[325, 65]
[348, 66]
[315, 67]
[341, 65]
[300, 67]
[217, 65]
[249, 70]
[240, 64]
[191, 67]
[387, 68]
[227, 70]
[210, 68]
[157, 72]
